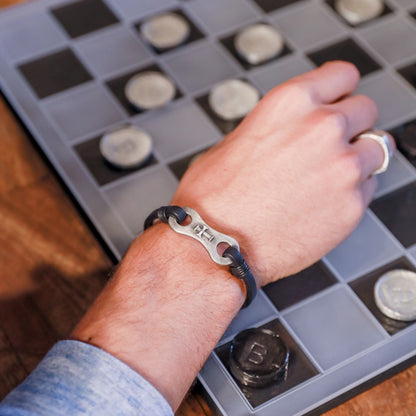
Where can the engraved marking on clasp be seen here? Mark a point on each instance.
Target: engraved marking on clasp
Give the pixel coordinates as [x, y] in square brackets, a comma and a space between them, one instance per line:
[256, 354]
[202, 232]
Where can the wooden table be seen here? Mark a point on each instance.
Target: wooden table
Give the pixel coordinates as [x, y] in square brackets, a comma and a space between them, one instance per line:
[52, 268]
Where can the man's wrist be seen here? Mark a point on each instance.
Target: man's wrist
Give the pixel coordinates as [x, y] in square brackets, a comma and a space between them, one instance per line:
[167, 294]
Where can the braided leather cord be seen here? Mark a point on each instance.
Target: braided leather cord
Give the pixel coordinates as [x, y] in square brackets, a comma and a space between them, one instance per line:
[238, 266]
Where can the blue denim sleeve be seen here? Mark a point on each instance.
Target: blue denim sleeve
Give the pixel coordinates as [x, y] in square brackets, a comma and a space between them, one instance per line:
[75, 379]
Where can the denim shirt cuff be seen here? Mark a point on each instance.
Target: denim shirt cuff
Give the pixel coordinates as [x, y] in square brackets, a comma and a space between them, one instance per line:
[75, 378]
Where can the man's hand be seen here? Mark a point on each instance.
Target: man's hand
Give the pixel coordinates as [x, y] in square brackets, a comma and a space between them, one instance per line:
[288, 183]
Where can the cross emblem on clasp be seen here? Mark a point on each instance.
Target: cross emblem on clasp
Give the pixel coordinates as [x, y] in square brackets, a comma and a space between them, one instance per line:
[202, 231]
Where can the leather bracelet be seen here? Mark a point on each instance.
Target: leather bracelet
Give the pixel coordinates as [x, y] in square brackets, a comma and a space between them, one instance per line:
[175, 216]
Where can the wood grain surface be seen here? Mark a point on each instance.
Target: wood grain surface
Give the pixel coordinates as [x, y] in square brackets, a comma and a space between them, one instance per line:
[52, 268]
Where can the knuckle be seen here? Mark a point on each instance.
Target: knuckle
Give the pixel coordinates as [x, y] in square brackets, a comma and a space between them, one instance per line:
[335, 122]
[296, 89]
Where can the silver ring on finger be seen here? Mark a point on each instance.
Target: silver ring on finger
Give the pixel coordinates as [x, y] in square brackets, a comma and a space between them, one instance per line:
[382, 138]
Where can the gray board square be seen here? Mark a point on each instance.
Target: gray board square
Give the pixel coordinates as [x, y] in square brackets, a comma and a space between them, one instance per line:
[220, 15]
[334, 327]
[83, 111]
[179, 129]
[138, 195]
[134, 9]
[112, 51]
[318, 25]
[394, 99]
[368, 247]
[277, 72]
[399, 173]
[393, 38]
[407, 4]
[29, 34]
[200, 66]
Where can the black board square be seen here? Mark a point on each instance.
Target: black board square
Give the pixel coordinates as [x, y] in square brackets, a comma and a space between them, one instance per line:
[54, 73]
[117, 85]
[81, 17]
[299, 370]
[364, 288]
[271, 5]
[397, 210]
[387, 10]
[101, 170]
[405, 136]
[228, 43]
[179, 167]
[288, 291]
[194, 34]
[346, 50]
[409, 74]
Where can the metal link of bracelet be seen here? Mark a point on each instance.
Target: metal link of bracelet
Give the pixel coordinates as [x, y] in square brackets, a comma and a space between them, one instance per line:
[197, 229]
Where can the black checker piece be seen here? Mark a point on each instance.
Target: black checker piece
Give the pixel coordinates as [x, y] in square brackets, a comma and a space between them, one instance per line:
[288, 291]
[397, 210]
[101, 170]
[54, 73]
[299, 368]
[405, 136]
[258, 357]
[194, 33]
[117, 86]
[81, 17]
[364, 288]
[346, 50]
[271, 5]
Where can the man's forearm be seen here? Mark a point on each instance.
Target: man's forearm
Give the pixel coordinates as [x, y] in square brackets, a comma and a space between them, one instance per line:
[164, 310]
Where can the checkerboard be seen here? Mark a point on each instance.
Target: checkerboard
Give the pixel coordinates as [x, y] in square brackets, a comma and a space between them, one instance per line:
[63, 68]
